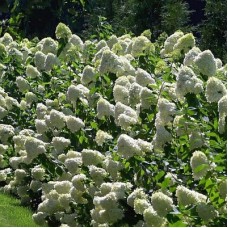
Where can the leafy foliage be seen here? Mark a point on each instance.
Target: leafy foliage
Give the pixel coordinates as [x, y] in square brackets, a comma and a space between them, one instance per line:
[78, 144]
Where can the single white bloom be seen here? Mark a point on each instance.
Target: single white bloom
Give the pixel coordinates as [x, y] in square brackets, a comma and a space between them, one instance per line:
[162, 203]
[206, 63]
[191, 55]
[187, 197]
[215, 90]
[152, 219]
[74, 124]
[102, 137]
[91, 157]
[22, 84]
[143, 78]
[63, 32]
[206, 212]
[127, 146]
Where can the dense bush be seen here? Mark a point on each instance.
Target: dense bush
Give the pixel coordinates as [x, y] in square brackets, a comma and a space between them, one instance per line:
[116, 132]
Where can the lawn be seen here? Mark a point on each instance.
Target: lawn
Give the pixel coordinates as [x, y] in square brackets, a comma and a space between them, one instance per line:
[12, 214]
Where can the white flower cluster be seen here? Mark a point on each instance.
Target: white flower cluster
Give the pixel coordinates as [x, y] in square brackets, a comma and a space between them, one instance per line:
[38, 172]
[161, 203]
[143, 78]
[102, 137]
[161, 137]
[112, 63]
[30, 98]
[215, 90]
[22, 84]
[57, 119]
[147, 98]
[97, 174]
[185, 43]
[7, 103]
[187, 82]
[166, 112]
[6, 132]
[112, 167]
[60, 143]
[2, 70]
[223, 189]
[206, 212]
[3, 112]
[32, 72]
[199, 164]
[91, 157]
[129, 147]
[48, 45]
[39, 60]
[152, 219]
[6, 39]
[206, 63]
[196, 140]
[186, 197]
[19, 141]
[73, 162]
[77, 42]
[77, 92]
[140, 205]
[104, 108]
[138, 193]
[78, 182]
[57, 196]
[41, 126]
[41, 110]
[121, 94]
[107, 210]
[141, 45]
[222, 109]
[178, 42]
[3, 148]
[153, 212]
[88, 75]
[134, 94]
[74, 124]
[171, 41]
[4, 173]
[62, 32]
[191, 55]
[34, 147]
[125, 116]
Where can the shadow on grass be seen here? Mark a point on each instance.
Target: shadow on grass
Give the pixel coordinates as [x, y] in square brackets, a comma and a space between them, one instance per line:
[12, 214]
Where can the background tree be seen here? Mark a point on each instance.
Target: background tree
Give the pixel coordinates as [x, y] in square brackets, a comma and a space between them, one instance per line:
[214, 28]
[205, 18]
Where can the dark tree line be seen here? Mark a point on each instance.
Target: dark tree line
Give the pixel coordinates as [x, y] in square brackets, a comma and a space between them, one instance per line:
[207, 19]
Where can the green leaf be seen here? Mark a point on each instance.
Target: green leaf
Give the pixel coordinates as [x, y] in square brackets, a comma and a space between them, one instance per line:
[165, 183]
[59, 170]
[200, 168]
[159, 175]
[208, 184]
[81, 139]
[94, 125]
[178, 224]
[150, 117]
[127, 165]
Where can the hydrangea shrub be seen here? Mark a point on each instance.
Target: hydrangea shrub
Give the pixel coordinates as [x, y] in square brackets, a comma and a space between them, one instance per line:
[117, 132]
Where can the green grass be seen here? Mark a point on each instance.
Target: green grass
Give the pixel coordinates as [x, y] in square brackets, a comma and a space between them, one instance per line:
[12, 214]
